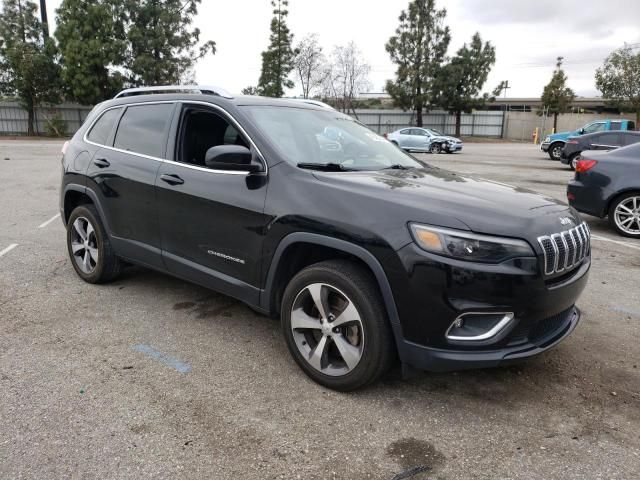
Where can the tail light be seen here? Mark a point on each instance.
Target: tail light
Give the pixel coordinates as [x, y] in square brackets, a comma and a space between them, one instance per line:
[585, 165]
[64, 147]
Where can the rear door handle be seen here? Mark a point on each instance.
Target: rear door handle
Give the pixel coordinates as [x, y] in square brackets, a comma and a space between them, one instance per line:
[171, 179]
[101, 162]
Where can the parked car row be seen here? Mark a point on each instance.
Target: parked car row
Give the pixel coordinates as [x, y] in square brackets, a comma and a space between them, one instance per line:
[553, 144]
[416, 139]
[596, 141]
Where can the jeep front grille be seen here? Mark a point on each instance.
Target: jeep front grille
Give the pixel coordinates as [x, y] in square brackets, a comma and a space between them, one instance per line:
[565, 250]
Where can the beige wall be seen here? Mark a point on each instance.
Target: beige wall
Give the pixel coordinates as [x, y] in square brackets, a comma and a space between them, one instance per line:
[520, 125]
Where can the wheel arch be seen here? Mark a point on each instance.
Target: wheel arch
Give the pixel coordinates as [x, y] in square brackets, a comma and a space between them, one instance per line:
[611, 201]
[284, 265]
[75, 195]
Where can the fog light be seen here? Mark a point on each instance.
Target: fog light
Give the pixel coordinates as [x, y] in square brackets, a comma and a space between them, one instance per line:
[478, 326]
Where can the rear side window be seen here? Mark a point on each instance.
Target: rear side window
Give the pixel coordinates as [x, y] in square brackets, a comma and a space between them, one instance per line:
[616, 125]
[631, 125]
[142, 129]
[102, 128]
[405, 132]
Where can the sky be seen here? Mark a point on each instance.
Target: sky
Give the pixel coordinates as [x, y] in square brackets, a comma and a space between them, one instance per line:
[528, 36]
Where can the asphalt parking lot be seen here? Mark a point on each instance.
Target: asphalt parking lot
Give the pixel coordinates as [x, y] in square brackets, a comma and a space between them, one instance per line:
[152, 377]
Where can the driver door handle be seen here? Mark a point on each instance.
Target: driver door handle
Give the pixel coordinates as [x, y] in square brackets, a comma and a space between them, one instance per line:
[171, 179]
[101, 162]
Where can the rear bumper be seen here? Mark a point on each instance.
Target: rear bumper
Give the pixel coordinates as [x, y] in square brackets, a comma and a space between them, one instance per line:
[440, 360]
[587, 199]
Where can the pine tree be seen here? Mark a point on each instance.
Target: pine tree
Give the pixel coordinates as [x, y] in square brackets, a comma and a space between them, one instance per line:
[418, 49]
[460, 81]
[278, 59]
[92, 41]
[557, 97]
[163, 48]
[27, 60]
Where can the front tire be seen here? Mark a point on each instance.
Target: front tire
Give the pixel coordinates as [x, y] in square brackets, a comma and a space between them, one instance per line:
[89, 247]
[555, 150]
[336, 326]
[624, 215]
[435, 148]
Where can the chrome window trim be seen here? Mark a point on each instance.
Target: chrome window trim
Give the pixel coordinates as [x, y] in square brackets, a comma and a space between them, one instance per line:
[235, 123]
[492, 332]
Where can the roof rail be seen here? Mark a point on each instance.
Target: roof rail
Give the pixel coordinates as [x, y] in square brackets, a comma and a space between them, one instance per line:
[202, 89]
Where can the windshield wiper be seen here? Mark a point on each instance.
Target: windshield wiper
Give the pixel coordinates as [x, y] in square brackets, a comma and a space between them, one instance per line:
[325, 167]
[397, 166]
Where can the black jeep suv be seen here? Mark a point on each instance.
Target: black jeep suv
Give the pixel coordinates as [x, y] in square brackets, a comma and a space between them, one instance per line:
[364, 252]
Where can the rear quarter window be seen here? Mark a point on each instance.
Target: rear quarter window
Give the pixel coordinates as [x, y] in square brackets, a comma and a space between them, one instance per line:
[101, 130]
[142, 129]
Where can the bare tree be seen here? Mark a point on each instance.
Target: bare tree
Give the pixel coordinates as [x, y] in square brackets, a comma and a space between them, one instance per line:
[310, 64]
[347, 75]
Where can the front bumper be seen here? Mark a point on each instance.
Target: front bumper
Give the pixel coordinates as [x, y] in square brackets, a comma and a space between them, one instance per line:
[437, 290]
[454, 147]
[544, 146]
[441, 360]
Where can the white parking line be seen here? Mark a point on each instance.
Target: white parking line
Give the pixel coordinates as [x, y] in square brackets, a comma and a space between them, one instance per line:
[624, 244]
[8, 249]
[57, 215]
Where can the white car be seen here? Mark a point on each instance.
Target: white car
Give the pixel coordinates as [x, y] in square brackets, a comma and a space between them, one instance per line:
[424, 140]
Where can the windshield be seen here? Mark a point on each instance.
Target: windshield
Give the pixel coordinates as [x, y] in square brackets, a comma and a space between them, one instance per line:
[435, 132]
[305, 136]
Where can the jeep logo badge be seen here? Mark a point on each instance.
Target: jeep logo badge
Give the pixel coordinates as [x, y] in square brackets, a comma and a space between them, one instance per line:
[566, 220]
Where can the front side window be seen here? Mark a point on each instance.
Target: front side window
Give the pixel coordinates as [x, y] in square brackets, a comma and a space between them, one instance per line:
[142, 129]
[405, 132]
[101, 130]
[594, 127]
[419, 133]
[201, 129]
[326, 137]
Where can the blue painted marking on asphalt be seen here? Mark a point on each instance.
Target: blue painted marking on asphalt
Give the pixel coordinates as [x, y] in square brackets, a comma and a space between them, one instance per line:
[174, 363]
[628, 311]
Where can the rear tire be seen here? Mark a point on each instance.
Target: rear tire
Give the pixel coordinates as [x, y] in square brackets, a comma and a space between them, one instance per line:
[351, 355]
[573, 159]
[624, 215]
[89, 247]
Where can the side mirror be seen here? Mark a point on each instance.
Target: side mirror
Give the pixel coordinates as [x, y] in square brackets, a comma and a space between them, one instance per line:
[581, 131]
[230, 157]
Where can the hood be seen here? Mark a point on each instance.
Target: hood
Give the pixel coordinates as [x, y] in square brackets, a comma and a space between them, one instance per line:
[439, 197]
[445, 138]
[563, 135]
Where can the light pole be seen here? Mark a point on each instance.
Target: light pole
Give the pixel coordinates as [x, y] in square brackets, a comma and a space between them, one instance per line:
[43, 17]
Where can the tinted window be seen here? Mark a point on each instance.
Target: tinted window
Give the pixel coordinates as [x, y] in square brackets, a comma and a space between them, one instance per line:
[616, 126]
[102, 128]
[630, 139]
[594, 127]
[141, 129]
[631, 125]
[609, 139]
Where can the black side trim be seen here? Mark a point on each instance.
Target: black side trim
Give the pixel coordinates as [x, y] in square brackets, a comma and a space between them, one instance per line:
[94, 198]
[209, 278]
[363, 254]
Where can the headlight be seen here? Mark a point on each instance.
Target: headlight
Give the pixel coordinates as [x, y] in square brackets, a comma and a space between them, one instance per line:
[547, 139]
[469, 246]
